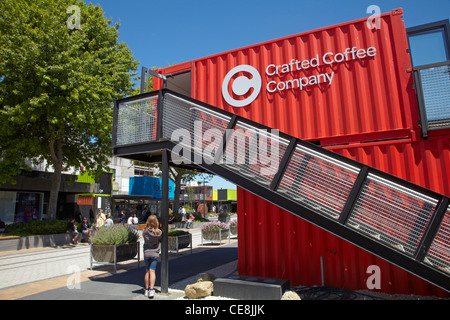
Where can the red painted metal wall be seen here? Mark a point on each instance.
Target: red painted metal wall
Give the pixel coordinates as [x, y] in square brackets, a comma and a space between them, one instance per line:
[370, 96]
[423, 162]
[368, 113]
[278, 244]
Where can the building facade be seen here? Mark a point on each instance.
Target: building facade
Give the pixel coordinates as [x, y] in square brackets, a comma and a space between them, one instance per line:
[357, 90]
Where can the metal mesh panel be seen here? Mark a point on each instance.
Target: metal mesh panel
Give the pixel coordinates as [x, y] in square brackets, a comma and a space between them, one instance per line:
[254, 153]
[137, 121]
[439, 252]
[318, 182]
[205, 128]
[436, 92]
[393, 214]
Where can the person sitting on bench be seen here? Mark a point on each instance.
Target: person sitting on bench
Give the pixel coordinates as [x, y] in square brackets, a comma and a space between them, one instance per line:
[72, 229]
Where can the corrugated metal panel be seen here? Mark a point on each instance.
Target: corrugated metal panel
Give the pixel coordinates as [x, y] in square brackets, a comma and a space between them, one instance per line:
[274, 243]
[425, 162]
[149, 186]
[369, 99]
[366, 96]
[85, 177]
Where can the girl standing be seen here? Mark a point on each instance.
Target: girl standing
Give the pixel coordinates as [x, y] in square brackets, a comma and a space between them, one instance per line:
[152, 247]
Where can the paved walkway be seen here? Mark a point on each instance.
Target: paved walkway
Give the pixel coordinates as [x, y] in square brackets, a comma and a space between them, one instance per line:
[63, 273]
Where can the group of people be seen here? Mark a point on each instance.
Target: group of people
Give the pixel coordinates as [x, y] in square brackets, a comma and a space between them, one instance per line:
[86, 228]
[186, 220]
[131, 220]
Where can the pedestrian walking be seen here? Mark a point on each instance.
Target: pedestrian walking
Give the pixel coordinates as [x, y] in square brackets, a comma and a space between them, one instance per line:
[101, 219]
[152, 247]
[123, 218]
[183, 214]
[109, 221]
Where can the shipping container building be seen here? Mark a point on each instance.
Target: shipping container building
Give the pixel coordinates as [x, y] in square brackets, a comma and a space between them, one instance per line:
[149, 186]
[359, 91]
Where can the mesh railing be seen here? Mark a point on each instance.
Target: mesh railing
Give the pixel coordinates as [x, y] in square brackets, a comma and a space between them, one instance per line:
[435, 84]
[254, 153]
[136, 121]
[439, 253]
[318, 182]
[193, 127]
[394, 214]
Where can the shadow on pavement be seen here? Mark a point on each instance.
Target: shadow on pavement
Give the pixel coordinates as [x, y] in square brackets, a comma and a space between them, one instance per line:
[179, 268]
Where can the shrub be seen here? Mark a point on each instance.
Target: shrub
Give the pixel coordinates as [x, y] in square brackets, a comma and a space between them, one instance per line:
[173, 233]
[117, 234]
[214, 225]
[199, 218]
[37, 227]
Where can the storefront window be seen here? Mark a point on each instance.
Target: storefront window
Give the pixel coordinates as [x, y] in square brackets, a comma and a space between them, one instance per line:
[7, 206]
[27, 207]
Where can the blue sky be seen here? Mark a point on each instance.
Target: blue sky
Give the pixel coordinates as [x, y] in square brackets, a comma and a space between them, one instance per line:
[163, 33]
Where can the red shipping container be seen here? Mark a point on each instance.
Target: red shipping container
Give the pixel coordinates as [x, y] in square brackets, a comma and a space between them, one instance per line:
[365, 96]
[347, 87]
[275, 243]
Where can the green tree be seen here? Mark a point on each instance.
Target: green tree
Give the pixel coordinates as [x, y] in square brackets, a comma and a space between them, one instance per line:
[178, 175]
[59, 75]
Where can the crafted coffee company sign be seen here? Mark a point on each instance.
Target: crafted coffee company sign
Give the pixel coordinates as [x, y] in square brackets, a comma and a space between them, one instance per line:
[243, 84]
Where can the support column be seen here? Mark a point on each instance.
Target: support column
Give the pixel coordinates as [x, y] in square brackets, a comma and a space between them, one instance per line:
[165, 223]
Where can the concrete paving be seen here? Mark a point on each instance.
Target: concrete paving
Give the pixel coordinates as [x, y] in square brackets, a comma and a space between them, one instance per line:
[63, 273]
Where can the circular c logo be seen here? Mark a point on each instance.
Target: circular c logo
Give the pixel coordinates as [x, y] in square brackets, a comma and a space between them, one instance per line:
[241, 85]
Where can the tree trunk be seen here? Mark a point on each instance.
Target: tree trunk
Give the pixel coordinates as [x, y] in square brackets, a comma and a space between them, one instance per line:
[56, 152]
[176, 198]
[54, 192]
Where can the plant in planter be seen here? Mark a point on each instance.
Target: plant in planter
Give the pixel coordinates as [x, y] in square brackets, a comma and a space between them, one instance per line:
[117, 234]
[223, 217]
[179, 239]
[114, 244]
[233, 226]
[215, 230]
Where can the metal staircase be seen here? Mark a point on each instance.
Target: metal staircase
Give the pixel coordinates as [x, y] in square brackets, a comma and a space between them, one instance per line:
[405, 224]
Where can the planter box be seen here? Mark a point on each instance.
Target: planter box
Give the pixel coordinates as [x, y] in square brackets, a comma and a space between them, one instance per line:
[177, 243]
[112, 254]
[223, 218]
[234, 229]
[41, 241]
[182, 225]
[215, 235]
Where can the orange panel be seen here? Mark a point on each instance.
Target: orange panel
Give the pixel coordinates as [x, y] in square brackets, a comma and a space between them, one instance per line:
[85, 200]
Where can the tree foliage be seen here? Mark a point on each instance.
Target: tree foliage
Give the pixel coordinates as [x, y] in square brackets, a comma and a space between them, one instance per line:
[58, 85]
